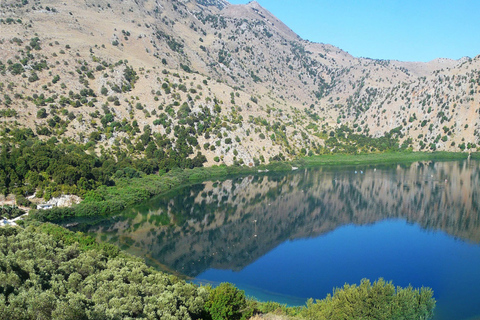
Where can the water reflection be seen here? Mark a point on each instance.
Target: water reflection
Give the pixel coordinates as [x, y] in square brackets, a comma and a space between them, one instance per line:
[230, 224]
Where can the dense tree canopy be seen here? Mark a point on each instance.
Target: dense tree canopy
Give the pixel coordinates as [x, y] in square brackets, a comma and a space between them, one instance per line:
[29, 165]
[42, 278]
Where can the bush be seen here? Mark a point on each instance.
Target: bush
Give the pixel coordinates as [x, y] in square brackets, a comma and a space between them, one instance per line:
[10, 212]
[33, 77]
[16, 68]
[42, 113]
[22, 201]
[378, 301]
[227, 303]
[279, 166]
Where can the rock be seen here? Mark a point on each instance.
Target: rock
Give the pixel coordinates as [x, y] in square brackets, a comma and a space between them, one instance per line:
[65, 200]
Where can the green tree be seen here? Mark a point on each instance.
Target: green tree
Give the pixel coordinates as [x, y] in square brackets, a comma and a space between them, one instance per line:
[16, 69]
[42, 113]
[227, 303]
[379, 301]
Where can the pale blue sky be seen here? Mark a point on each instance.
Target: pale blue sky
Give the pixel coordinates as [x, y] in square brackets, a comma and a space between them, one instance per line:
[406, 30]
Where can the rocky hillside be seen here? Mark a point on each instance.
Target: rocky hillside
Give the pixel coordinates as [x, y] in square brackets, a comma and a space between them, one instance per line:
[231, 82]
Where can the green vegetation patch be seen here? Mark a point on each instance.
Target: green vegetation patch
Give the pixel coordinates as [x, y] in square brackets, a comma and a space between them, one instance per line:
[129, 191]
[380, 300]
[10, 212]
[342, 159]
[44, 278]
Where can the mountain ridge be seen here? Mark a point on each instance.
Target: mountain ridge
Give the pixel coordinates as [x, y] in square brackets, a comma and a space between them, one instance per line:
[265, 76]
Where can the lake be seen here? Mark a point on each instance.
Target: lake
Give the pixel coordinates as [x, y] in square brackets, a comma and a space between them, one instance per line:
[289, 237]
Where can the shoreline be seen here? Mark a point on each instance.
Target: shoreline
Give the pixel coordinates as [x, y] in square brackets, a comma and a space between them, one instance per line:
[129, 192]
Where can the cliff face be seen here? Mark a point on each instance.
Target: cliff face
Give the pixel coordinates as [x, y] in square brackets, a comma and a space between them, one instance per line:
[274, 93]
[228, 225]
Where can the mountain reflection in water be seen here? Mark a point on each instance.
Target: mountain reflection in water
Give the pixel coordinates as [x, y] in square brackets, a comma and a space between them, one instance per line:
[230, 224]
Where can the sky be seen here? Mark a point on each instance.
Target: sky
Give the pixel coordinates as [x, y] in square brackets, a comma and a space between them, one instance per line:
[407, 30]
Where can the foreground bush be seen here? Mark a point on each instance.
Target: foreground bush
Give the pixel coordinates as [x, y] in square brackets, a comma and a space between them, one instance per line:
[227, 303]
[378, 301]
[42, 278]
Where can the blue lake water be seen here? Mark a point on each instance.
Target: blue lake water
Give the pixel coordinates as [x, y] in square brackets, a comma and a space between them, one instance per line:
[396, 250]
[297, 236]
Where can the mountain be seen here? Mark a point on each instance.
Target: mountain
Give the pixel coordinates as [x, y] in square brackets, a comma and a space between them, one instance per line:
[230, 81]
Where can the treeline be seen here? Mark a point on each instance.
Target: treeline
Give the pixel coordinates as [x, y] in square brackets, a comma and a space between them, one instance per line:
[129, 191]
[347, 141]
[50, 168]
[133, 190]
[48, 272]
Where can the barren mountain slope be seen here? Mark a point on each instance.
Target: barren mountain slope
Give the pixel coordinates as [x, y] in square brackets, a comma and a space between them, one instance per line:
[99, 73]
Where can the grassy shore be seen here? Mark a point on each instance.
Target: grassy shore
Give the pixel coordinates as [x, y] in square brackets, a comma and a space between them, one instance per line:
[375, 158]
[127, 192]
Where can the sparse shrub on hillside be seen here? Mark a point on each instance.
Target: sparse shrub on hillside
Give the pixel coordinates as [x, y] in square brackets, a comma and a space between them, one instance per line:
[182, 87]
[35, 43]
[185, 68]
[42, 113]
[33, 77]
[130, 76]
[8, 113]
[16, 69]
